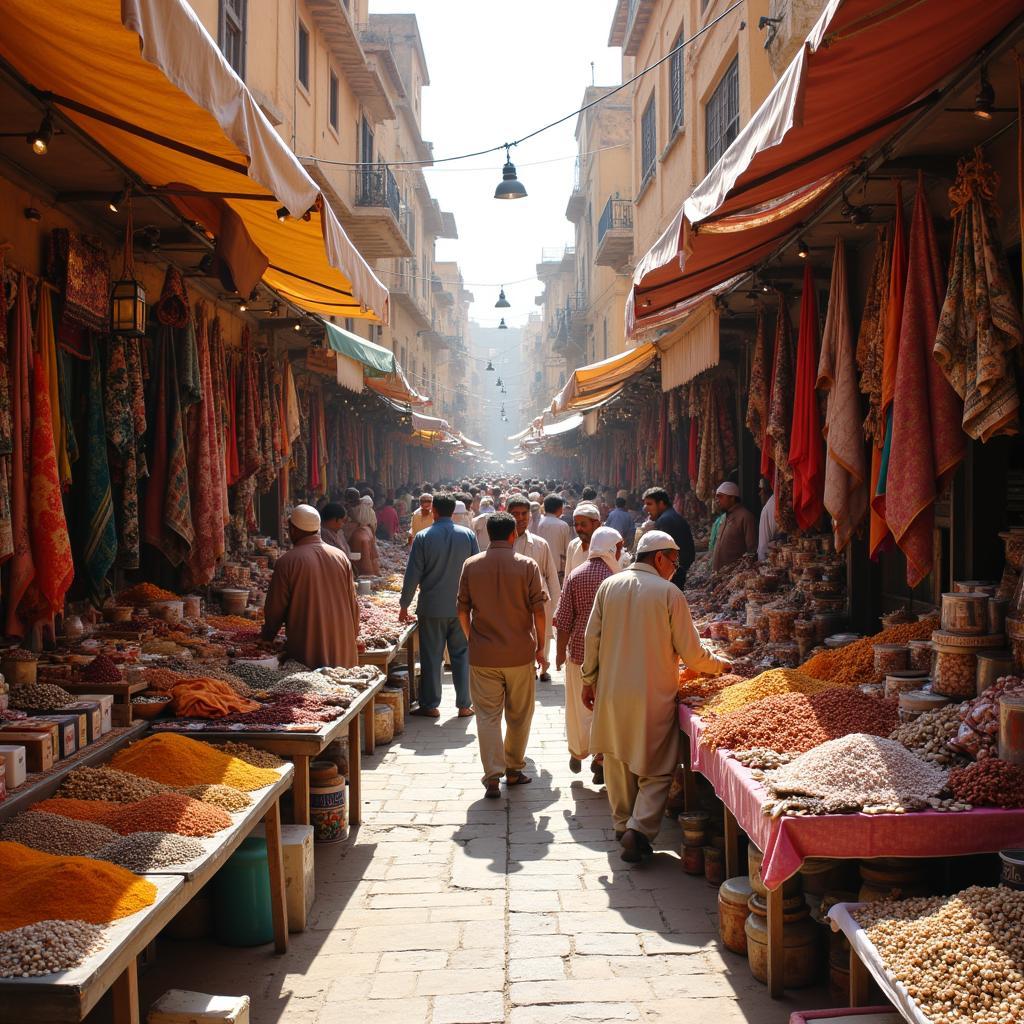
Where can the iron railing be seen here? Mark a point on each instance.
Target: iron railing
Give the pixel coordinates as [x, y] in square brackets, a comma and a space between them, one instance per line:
[617, 214]
[375, 185]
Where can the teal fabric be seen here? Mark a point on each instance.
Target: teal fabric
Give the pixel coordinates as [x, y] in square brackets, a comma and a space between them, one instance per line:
[377, 359]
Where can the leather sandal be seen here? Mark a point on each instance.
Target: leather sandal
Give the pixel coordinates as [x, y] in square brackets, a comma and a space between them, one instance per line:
[517, 779]
[492, 790]
[426, 712]
[467, 712]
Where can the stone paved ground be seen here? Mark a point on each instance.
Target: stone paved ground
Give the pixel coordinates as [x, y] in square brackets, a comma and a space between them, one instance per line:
[450, 909]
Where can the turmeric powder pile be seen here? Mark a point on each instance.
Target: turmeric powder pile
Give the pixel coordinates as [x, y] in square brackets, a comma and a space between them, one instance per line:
[41, 887]
[855, 663]
[180, 761]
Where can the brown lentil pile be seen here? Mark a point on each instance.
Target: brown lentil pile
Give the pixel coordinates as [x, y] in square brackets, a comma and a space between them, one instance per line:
[288, 709]
[40, 697]
[56, 834]
[928, 735]
[855, 663]
[165, 812]
[46, 947]
[144, 851]
[109, 784]
[252, 755]
[960, 957]
[767, 684]
[227, 797]
[794, 723]
[989, 783]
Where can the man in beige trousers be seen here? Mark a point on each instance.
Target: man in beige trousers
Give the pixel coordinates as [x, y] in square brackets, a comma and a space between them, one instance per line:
[501, 608]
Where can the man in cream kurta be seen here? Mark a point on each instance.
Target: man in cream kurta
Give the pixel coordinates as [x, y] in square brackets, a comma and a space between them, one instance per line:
[639, 629]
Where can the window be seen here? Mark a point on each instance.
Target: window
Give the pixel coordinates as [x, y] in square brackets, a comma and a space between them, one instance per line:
[722, 115]
[303, 56]
[648, 142]
[675, 85]
[332, 100]
[231, 31]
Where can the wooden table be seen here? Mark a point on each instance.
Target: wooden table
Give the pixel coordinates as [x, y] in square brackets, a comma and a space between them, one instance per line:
[303, 747]
[122, 692]
[383, 658]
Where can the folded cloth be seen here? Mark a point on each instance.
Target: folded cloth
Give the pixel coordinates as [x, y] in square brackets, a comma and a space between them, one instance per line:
[208, 698]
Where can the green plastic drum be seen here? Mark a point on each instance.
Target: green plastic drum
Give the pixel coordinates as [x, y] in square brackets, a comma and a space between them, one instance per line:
[241, 897]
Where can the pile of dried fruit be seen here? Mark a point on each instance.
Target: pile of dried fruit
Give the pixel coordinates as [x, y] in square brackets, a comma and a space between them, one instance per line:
[695, 688]
[989, 783]
[143, 594]
[978, 735]
[855, 663]
[288, 709]
[56, 834]
[47, 947]
[762, 759]
[40, 697]
[961, 958]
[378, 625]
[146, 851]
[108, 784]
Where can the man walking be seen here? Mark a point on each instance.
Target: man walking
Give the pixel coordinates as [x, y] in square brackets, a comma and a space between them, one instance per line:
[586, 519]
[501, 608]
[619, 519]
[639, 628]
[480, 521]
[532, 546]
[556, 531]
[435, 564]
[666, 519]
[421, 518]
[571, 618]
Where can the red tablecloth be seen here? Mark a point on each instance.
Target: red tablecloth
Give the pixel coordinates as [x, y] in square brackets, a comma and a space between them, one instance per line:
[787, 842]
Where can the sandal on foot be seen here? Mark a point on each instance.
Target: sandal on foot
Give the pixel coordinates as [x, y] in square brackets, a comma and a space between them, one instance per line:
[635, 846]
[492, 790]
[517, 779]
[467, 712]
[426, 712]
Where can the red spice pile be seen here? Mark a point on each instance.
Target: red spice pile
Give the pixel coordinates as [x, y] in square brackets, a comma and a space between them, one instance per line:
[989, 783]
[165, 812]
[101, 670]
[795, 722]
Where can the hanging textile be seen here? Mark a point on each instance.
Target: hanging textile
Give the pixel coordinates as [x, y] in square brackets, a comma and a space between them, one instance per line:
[806, 458]
[927, 442]
[779, 417]
[760, 390]
[23, 569]
[81, 270]
[218, 373]
[6, 427]
[845, 491]
[292, 424]
[64, 369]
[47, 348]
[186, 357]
[99, 542]
[167, 518]
[267, 473]
[247, 411]
[980, 323]
[172, 308]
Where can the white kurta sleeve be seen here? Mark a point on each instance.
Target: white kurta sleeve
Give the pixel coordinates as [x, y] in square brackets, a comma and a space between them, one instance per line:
[685, 640]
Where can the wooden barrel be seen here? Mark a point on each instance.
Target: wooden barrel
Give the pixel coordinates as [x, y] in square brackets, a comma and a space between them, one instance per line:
[383, 723]
[395, 699]
[733, 896]
[801, 940]
[886, 878]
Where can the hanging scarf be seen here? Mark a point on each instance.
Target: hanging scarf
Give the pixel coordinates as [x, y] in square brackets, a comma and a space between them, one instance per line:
[99, 547]
[47, 347]
[779, 418]
[6, 428]
[760, 389]
[218, 371]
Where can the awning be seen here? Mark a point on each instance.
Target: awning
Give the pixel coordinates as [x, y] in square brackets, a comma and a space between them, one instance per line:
[146, 81]
[595, 384]
[395, 387]
[377, 359]
[865, 68]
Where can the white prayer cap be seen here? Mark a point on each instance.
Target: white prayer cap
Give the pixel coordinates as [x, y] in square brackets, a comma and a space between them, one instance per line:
[426, 494]
[534, 506]
[486, 502]
[622, 494]
[305, 517]
[534, 495]
[460, 508]
[655, 540]
[587, 509]
[366, 500]
[728, 487]
[603, 541]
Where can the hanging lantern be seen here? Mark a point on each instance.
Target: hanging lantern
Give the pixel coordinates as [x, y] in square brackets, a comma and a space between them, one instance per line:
[128, 297]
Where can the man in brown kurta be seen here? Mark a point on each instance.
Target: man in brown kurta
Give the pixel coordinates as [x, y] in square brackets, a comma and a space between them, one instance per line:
[738, 534]
[312, 593]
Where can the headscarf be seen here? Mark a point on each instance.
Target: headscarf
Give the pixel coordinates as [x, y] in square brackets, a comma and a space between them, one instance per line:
[588, 510]
[603, 542]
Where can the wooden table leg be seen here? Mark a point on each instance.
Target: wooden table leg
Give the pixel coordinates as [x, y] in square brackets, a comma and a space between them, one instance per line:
[125, 993]
[860, 980]
[732, 845]
[689, 780]
[275, 862]
[300, 790]
[355, 774]
[369, 733]
[776, 949]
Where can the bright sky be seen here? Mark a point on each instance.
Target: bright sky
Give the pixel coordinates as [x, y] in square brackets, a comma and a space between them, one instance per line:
[498, 72]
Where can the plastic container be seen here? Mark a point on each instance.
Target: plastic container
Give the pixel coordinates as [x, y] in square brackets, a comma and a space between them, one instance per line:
[1011, 728]
[780, 624]
[998, 608]
[328, 807]
[383, 724]
[395, 699]
[921, 655]
[241, 897]
[234, 601]
[965, 613]
[193, 606]
[171, 612]
[694, 826]
[714, 866]
[733, 896]
[956, 673]
[890, 658]
[693, 860]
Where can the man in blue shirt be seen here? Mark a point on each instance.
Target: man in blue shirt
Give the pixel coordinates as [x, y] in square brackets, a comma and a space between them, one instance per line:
[658, 505]
[435, 565]
[619, 519]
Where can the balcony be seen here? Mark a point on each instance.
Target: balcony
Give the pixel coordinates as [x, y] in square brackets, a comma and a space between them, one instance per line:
[629, 23]
[577, 309]
[615, 235]
[372, 217]
[408, 291]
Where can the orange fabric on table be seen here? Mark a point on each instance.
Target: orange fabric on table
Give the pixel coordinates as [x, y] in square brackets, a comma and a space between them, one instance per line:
[208, 698]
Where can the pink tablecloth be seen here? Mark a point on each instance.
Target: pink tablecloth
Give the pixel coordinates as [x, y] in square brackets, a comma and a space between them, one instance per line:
[788, 842]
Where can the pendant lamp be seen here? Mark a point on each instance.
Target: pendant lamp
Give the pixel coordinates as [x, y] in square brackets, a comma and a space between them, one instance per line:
[510, 187]
[502, 302]
[128, 297]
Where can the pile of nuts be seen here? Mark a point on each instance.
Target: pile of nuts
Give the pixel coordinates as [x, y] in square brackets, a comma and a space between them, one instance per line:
[109, 784]
[961, 958]
[227, 797]
[40, 697]
[46, 947]
[762, 759]
[144, 851]
[101, 670]
[53, 833]
[989, 783]
[955, 674]
[929, 733]
[251, 755]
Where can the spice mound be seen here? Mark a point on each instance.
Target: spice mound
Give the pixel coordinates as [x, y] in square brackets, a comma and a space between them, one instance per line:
[227, 797]
[165, 812]
[108, 784]
[144, 851]
[41, 887]
[143, 594]
[960, 957]
[855, 663]
[56, 834]
[101, 670]
[767, 684]
[695, 688]
[989, 783]
[180, 761]
[252, 755]
[47, 947]
[40, 697]
[855, 773]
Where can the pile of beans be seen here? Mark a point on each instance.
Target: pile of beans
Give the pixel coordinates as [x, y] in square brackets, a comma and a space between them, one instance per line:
[109, 784]
[795, 722]
[929, 734]
[762, 759]
[767, 684]
[145, 851]
[855, 773]
[989, 783]
[855, 663]
[165, 812]
[53, 833]
[260, 676]
[227, 797]
[960, 957]
[40, 697]
[304, 682]
[101, 670]
[252, 755]
[47, 947]
[288, 709]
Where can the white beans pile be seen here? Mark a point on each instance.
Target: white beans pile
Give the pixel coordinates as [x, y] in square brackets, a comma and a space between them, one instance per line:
[929, 733]
[855, 773]
[46, 947]
[960, 957]
[144, 851]
[762, 758]
[56, 834]
[362, 677]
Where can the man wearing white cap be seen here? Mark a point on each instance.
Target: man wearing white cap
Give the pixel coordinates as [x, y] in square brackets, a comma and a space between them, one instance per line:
[638, 630]
[422, 517]
[480, 521]
[738, 534]
[585, 520]
[574, 609]
[313, 594]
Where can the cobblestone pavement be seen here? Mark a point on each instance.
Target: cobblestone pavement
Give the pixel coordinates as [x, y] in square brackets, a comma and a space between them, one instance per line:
[446, 908]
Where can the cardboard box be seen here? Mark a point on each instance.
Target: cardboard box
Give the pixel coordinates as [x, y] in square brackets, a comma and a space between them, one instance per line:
[38, 748]
[90, 711]
[37, 725]
[13, 757]
[177, 1006]
[71, 729]
[299, 882]
[81, 727]
[106, 703]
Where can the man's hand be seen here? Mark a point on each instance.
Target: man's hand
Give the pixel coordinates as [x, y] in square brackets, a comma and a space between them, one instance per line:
[404, 616]
[541, 660]
[588, 696]
[560, 662]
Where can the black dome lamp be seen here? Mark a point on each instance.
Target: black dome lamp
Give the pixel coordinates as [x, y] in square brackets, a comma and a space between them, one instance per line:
[489, 367]
[510, 187]
[502, 302]
[502, 326]
[986, 98]
[498, 383]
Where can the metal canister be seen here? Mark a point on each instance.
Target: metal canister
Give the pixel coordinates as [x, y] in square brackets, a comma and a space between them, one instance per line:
[1011, 728]
[991, 666]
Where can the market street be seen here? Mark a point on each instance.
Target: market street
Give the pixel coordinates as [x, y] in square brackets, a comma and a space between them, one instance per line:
[450, 908]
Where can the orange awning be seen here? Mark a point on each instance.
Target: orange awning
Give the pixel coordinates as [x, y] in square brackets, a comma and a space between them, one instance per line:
[865, 68]
[146, 81]
[593, 385]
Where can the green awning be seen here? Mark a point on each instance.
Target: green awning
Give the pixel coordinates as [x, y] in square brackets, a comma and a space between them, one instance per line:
[377, 359]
